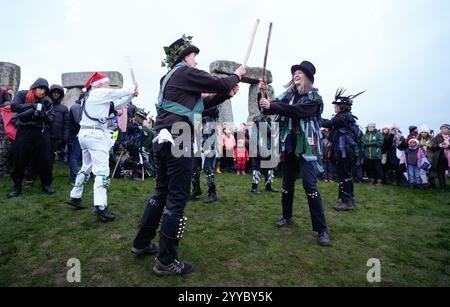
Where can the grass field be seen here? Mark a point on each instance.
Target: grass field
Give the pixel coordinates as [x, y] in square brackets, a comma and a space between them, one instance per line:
[231, 243]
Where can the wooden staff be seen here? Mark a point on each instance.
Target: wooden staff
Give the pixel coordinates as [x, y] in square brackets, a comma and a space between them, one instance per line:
[264, 77]
[117, 164]
[250, 46]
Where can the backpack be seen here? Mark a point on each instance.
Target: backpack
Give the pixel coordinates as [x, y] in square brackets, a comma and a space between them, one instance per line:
[10, 129]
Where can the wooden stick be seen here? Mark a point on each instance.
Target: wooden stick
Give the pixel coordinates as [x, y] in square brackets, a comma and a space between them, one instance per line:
[143, 173]
[250, 46]
[117, 164]
[264, 77]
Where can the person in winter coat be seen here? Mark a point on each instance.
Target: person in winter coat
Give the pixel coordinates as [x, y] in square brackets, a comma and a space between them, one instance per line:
[74, 144]
[59, 128]
[413, 133]
[414, 159]
[438, 155]
[424, 139]
[373, 142]
[5, 143]
[241, 157]
[345, 137]
[326, 156]
[35, 114]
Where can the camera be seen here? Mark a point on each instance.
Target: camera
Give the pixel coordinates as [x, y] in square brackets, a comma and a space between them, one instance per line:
[39, 107]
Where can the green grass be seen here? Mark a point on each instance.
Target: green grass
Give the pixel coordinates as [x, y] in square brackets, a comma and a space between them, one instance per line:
[231, 243]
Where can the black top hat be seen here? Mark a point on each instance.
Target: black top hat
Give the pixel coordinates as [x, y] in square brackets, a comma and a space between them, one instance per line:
[340, 99]
[307, 68]
[178, 50]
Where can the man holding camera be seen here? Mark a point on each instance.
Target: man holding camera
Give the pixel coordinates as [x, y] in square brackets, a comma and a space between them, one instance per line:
[34, 113]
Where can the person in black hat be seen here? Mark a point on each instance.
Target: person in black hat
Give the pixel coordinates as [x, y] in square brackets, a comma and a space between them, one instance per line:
[35, 113]
[300, 109]
[180, 101]
[439, 157]
[413, 133]
[345, 137]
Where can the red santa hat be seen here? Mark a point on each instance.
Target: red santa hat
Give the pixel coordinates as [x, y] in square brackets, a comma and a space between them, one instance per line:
[96, 79]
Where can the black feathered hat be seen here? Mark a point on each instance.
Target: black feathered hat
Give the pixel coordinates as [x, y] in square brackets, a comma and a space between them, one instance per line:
[340, 99]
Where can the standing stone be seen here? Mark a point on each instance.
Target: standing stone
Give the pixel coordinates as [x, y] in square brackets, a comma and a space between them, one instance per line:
[226, 108]
[253, 75]
[9, 75]
[75, 81]
[253, 104]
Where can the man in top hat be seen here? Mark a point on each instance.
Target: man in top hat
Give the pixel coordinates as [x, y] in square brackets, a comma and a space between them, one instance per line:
[180, 101]
[345, 137]
[96, 141]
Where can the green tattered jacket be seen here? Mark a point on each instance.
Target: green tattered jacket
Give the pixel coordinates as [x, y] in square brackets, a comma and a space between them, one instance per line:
[299, 120]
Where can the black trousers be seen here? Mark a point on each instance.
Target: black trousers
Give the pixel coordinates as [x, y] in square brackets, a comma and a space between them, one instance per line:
[32, 144]
[209, 172]
[173, 180]
[374, 169]
[344, 170]
[309, 173]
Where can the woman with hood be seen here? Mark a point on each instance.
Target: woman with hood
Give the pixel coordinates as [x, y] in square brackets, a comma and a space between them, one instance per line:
[34, 113]
[59, 128]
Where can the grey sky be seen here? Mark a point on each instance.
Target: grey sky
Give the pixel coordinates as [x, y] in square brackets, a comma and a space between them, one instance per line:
[397, 50]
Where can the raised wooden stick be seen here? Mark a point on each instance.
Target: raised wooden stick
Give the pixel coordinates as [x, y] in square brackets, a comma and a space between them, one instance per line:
[264, 77]
[250, 46]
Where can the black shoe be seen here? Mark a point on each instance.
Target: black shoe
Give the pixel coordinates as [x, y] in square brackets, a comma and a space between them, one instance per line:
[104, 215]
[16, 191]
[324, 239]
[196, 193]
[212, 198]
[284, 222]
[48, 189]
[152, 249]
[175, 268]
[344, 206]
[270, 188]
[256, 191]
[76, 202]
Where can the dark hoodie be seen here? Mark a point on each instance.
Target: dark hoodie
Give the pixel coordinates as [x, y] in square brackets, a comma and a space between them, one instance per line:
[26, 112]
[59, 128]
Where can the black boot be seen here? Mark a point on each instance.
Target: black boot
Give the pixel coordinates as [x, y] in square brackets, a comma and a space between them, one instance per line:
[270, 188]
[104, 215]
[152, 249]
[442, 183]
[48, 189]
[324, 239]
[212, 198]
[149, 224]
[284, 222]
[255, 189]
[196, 192]
[77, 203]
[15, 192]
[212, 193]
